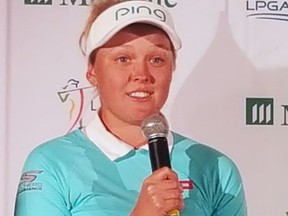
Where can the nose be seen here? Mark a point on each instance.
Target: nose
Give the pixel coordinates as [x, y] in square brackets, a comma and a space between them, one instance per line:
[140, 72]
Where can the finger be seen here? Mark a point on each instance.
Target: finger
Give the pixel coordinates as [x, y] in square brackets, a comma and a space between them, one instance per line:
[173, 204]
[168, 200]
[165, 173]
[164, 191]
[169, 185]
[164, 194]
[172, 194]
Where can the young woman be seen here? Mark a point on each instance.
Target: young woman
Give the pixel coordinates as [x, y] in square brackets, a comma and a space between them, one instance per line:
[104, 168]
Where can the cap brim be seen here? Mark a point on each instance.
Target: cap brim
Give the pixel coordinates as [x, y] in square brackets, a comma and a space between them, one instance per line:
[106, 26]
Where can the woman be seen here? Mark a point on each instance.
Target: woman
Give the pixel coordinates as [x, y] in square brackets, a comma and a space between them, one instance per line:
[103, 169]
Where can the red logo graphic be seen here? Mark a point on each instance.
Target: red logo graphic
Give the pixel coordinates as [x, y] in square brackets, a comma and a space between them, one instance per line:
[30, 176]
[186, 184]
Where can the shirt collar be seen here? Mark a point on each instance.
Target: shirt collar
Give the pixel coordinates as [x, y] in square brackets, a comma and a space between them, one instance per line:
[109, 144]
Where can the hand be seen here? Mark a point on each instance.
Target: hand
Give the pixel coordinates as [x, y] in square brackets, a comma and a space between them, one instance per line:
[161, 192]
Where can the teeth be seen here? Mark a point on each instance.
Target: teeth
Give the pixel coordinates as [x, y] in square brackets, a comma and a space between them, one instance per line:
[139, 94]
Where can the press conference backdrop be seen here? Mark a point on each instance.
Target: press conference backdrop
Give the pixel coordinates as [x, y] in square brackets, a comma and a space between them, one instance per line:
[230, 89]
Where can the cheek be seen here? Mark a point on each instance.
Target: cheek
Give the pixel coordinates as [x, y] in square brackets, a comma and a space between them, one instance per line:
[163, 88]
[104, 86]
[110, 84]
[165, 81]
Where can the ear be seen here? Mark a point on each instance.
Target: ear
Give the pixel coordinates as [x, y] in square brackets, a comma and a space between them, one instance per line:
[90, 75]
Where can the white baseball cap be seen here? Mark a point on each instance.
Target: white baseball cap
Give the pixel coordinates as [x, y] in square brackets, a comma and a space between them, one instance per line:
[118, 16]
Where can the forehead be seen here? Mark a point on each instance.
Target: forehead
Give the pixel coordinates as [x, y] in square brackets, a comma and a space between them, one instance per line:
[144, 29]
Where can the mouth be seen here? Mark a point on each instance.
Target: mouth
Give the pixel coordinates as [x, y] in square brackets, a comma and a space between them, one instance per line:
[140, 94]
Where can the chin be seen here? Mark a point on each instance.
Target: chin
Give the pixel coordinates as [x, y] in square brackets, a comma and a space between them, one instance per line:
[137, 116]
[138, 119]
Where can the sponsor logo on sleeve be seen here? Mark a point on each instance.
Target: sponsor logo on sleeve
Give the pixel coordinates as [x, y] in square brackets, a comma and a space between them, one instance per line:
[28, 181]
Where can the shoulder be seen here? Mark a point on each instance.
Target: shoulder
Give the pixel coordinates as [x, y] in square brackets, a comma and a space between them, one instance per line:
[62, 149]
[73, 140]
[202, 155]
[195, 149]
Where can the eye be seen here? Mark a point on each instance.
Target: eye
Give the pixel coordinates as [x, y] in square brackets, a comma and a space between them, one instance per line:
[123, 59]
[157, 60]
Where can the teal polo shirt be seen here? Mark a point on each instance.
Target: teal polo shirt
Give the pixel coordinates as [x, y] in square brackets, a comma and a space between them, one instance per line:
[75, 175]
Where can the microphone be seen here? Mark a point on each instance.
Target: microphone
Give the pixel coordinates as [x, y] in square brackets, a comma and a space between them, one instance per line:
[155, 128]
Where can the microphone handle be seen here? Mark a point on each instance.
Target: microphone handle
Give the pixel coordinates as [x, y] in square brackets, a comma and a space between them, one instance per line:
[159, 153]
[159, 156]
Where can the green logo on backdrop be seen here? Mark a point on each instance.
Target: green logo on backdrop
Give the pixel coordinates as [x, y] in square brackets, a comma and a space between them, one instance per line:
[38, 2]
[259, 111]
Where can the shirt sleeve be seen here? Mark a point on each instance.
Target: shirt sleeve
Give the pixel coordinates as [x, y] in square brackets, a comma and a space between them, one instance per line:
[41, 188]
[230, 197]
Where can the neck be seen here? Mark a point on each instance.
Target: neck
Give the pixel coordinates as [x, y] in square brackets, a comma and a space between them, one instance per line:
[128, 133]
[131, 135]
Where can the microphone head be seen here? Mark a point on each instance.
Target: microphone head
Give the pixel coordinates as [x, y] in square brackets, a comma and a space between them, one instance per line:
[155, 126]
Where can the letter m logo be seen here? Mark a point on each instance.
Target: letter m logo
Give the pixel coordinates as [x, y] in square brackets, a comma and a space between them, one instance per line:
[38, 2]
[259, 111]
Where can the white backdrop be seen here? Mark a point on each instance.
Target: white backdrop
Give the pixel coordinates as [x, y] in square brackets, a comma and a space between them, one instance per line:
[3, 70]
[227, 56]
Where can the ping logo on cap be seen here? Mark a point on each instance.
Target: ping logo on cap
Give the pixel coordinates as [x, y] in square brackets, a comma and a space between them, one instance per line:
[140, 10]
[120, 15]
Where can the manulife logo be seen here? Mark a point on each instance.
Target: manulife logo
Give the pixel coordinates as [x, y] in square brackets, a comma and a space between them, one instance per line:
[38, 2]
[259, 111]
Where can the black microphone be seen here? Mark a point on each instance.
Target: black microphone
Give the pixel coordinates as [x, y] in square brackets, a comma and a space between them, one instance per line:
[155, 128]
